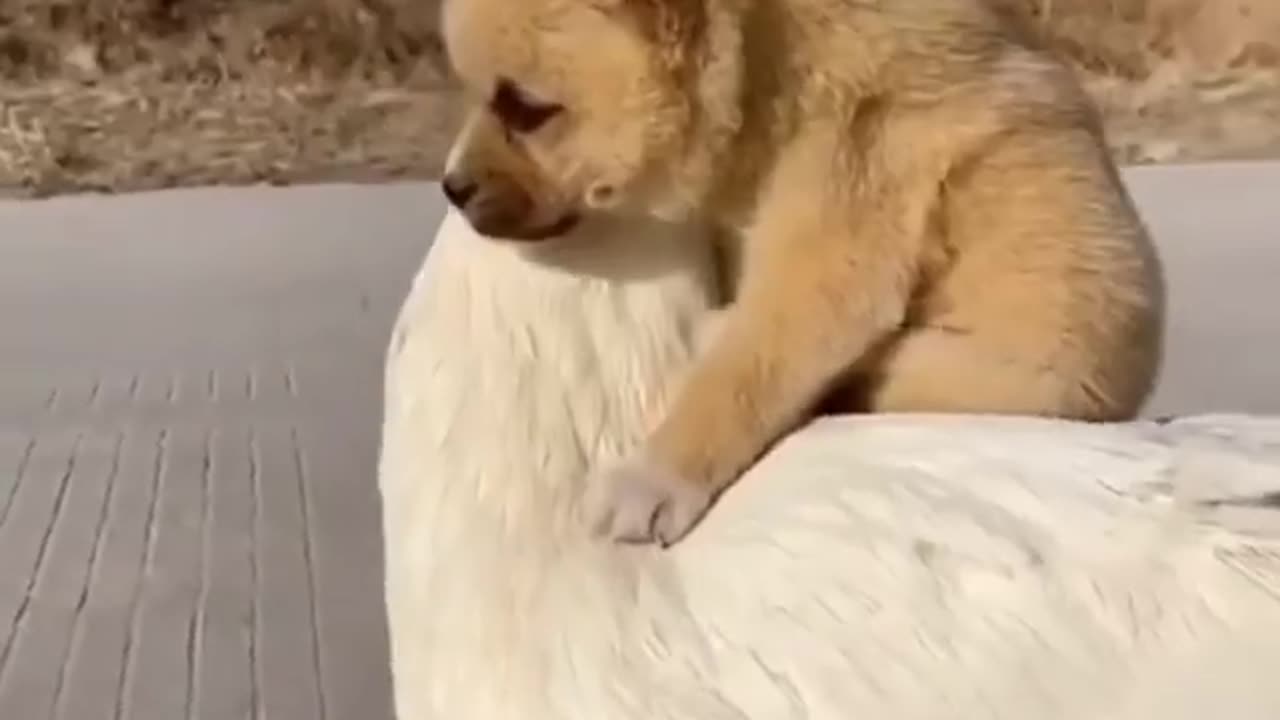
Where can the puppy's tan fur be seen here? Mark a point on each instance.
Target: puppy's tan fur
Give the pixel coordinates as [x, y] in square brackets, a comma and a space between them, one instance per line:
[924, 201]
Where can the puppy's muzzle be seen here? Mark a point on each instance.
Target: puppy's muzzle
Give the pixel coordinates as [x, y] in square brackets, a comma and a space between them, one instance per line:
[501, 209]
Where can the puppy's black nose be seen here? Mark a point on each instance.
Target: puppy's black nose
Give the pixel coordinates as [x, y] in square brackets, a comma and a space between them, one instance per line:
[458, 190]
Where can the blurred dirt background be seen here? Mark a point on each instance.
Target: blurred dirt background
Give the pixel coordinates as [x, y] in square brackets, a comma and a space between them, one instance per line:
[121, 95]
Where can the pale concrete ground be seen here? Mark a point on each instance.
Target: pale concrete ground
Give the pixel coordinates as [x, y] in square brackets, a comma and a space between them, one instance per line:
[189, 398]
[189, 416]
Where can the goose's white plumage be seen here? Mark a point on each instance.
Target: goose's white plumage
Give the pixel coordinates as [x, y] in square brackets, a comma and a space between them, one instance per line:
[890, 567]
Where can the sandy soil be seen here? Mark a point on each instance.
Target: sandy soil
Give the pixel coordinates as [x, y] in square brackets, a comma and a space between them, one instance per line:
[118, 95]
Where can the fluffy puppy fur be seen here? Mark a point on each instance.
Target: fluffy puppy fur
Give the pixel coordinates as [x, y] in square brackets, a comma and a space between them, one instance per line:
[922, 201]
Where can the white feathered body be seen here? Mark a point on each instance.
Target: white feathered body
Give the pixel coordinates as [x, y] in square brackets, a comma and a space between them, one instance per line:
[891, 567]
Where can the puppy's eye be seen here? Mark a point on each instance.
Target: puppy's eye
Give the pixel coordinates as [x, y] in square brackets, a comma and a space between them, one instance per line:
[518, 111]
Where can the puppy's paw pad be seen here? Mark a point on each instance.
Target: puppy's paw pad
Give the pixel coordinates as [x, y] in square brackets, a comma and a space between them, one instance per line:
[637, 501]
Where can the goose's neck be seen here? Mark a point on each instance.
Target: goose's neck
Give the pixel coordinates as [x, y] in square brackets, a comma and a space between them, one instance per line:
[533, 369]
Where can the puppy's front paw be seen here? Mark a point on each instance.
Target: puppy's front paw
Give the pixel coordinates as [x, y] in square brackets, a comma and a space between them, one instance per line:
[638, 501]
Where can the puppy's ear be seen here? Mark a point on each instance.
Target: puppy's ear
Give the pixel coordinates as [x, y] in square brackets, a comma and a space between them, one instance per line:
[668, 24]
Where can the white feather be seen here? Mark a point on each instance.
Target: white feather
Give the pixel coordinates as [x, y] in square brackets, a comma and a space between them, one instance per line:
[897, 567]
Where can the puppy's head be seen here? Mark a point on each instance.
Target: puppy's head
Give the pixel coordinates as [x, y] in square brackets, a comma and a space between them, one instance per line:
[574, 106]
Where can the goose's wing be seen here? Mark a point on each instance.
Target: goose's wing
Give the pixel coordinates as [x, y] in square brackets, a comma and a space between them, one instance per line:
[961, 567]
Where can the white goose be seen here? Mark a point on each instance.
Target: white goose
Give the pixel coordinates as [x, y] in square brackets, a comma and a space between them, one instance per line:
[890, 567]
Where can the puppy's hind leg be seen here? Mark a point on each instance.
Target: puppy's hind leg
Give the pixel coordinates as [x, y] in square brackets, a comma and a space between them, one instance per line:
[932, 369]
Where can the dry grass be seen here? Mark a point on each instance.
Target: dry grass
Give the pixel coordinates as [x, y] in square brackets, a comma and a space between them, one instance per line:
[1133, 39]
[382, 40]
[116, 95]
[119, 95]
[1177, 80]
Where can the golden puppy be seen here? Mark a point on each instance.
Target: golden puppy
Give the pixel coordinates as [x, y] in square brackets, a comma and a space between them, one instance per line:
[922, 199]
